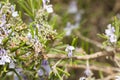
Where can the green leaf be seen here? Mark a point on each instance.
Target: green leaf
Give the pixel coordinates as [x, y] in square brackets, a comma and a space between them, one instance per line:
[14, 49]
[5, 40]
[63, 71]
[74, 42]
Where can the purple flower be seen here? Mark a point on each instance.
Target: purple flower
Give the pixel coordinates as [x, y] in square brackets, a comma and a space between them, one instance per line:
[3, 20]
[46, 6]
[70, 54]
[46, 66]
[12, 8]
[73, 7]
[110, 33]
[4, 58]
[87, 72]
[69, 49]
[40, 72]
[20, 72]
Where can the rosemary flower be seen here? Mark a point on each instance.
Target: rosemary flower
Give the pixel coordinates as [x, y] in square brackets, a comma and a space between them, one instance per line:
[47, 7]
[110, 33]
[46, 66]
[4, 58]
[69, 49]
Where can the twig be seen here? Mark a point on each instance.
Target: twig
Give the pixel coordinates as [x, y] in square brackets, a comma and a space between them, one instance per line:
[85, 57]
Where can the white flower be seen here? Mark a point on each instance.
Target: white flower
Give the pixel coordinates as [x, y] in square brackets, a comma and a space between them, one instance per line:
[68, 29]
[15, 14]
[72, 7]
[12, 65]
[88, 72]
[49, 8]
[69, 49]
[113, 38]
[4, 58]
[2, 62]
[29, 36]
[110, 31]
[45, 2]
[40, 72]
[3, 20]
[12, 8]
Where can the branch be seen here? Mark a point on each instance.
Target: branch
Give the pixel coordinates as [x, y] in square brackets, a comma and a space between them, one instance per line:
[85, 57]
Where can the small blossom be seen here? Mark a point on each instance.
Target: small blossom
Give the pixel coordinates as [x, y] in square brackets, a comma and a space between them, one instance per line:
[68, 29]
[88, 72]
[49, 8]
[73, 7]
[15, 14]
[46, 66]
[4, 58]
[12, 8]
[29, 36]
[45, 2]
[20, 73]
[113, 38]
[69, 49]
[11, 65]
[40, 72]
[110, 33]
[3, 20]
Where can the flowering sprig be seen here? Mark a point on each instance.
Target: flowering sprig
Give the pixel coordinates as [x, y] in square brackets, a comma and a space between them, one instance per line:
[110, 33]
[87, 73]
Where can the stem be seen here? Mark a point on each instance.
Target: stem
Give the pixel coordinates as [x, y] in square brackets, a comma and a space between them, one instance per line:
[17, 75]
